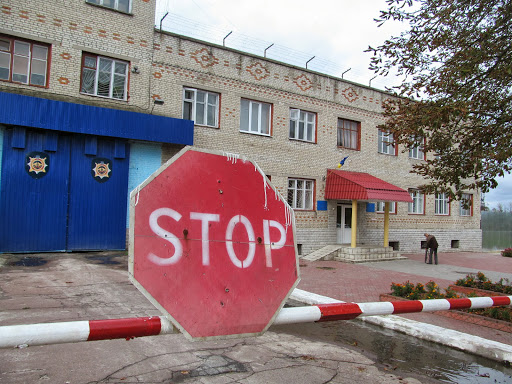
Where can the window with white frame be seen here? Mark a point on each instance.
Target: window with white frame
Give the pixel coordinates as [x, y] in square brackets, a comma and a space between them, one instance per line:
[255, 117]
[201, 106]
[23, 61]
[416, 152]
[379, 207]
[300, 193]
[104, 77]
[418, 202]
[442, 204]
[118, 5]
[302, 125]
[349, 134]
[466, 205]
[386, 143]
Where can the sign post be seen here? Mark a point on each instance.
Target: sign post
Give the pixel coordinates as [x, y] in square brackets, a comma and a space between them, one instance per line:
[212, 245]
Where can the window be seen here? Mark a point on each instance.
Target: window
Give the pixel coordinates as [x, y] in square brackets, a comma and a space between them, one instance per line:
[255, 117]
[300, 193]
[386, 143]
[442, 204]
[379, 207]
[23, 62]
[466, 205]
[201, 106]
[118, 5]
[417, 151]
[418, 202]
[105, 77]
[302, 125]
[349, 134]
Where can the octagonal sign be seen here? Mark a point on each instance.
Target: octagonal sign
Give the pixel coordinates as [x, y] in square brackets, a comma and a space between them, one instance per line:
[212, 244]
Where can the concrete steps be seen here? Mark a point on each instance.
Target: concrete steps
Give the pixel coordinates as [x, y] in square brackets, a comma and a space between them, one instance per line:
[360, 254]
[329, 252]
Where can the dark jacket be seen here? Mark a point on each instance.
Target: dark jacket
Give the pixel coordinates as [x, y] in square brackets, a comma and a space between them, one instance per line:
[432, 242]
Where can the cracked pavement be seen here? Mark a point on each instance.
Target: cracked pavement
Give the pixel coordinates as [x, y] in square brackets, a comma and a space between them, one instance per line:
[72, 287]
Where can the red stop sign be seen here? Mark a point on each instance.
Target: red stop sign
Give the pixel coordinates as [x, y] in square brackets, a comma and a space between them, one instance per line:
[212, 244]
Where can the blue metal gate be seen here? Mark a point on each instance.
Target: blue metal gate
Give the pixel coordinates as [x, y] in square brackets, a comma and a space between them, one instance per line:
[97, 199]
[62, 192]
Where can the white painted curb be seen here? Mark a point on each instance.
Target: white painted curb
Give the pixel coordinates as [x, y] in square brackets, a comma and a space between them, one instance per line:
[462, 341]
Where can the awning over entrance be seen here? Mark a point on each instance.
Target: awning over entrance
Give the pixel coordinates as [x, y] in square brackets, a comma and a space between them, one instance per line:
[345, 185]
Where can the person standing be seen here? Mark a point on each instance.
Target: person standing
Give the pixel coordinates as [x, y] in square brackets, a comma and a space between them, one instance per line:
[431, 248]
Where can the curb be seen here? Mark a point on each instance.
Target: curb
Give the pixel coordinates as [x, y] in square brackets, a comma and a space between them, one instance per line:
[461, 316]
[462, 341]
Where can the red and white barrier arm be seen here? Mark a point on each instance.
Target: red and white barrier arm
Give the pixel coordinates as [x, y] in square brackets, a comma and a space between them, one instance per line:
[76, 331]
[348, 311]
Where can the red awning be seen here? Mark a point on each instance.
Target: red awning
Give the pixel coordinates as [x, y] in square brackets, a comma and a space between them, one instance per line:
[345, 185]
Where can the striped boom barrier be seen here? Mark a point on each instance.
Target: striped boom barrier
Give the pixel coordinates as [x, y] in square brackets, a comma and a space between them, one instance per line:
[348, 311]
[76, 331]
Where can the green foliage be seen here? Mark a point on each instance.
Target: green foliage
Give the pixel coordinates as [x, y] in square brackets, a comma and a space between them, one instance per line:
[507, 252]
[498, 313]
[420, 292]
[480, 281]
[457, 95]
[431, 291]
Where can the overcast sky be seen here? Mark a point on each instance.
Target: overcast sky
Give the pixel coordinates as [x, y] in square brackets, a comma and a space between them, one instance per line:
[334, 32]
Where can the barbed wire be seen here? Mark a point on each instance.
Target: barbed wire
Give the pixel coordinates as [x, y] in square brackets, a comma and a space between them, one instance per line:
[228, 36]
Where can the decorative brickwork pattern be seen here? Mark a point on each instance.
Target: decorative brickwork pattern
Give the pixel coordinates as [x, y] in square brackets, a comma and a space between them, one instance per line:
[204, 58]
[258, 71]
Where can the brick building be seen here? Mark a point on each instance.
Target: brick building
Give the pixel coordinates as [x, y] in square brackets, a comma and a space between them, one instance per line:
[92, 82]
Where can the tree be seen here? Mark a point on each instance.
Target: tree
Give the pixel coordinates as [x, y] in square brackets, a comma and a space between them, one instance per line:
[456, 100]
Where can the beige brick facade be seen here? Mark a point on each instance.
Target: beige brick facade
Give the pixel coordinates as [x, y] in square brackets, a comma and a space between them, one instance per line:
[167, 63]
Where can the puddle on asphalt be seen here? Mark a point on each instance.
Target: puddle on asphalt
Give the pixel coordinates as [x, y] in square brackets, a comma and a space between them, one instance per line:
[404, 355]
[29, 262]
[104, 259]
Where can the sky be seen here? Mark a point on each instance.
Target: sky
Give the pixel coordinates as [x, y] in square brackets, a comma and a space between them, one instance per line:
[329, 35]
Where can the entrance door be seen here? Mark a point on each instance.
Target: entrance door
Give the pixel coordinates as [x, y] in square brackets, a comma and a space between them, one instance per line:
[344, 223]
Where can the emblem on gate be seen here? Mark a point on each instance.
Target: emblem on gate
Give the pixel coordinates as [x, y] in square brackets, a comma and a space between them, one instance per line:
[101, 169]
[37, 164]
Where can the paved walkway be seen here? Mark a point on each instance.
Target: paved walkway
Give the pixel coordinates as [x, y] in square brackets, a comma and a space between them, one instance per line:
[365, 282]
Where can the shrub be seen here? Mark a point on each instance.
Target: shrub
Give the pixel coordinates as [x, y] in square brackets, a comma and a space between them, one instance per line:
[498, 313]
[402, 290]
[420, 292]
[507, 252]
[481, 278]
[480, 281]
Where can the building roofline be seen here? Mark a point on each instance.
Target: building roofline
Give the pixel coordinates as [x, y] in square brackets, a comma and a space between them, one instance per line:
[158, 31]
